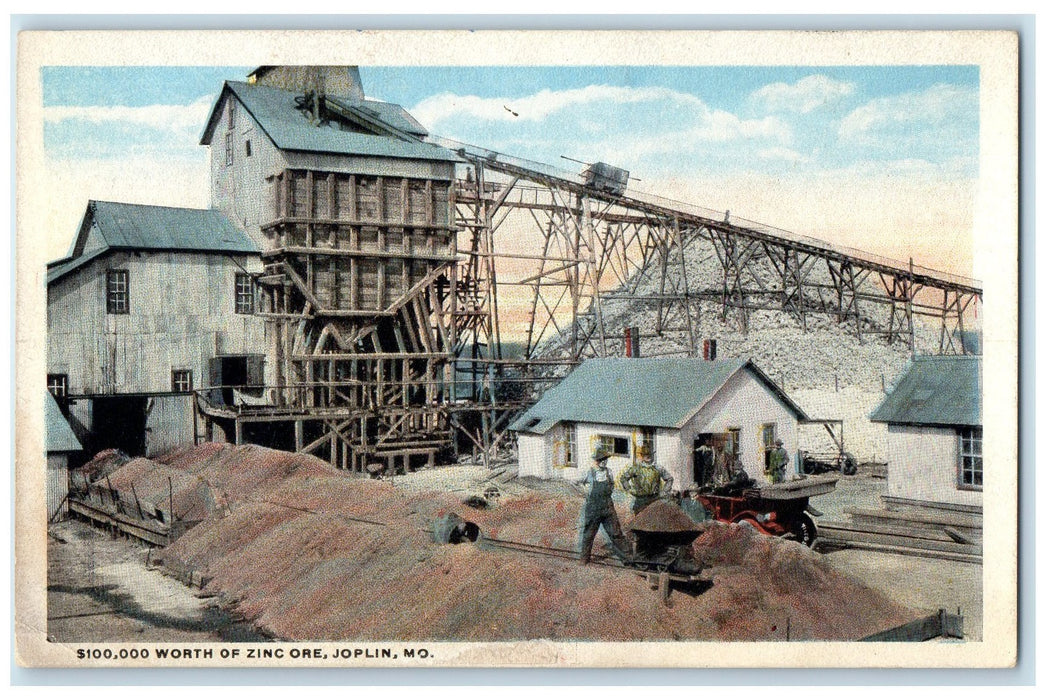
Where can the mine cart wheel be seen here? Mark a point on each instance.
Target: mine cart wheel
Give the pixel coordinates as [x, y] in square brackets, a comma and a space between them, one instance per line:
[804, 530]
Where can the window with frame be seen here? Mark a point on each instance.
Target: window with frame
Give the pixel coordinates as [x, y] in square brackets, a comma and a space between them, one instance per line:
[117, 292]
[247, 148]
[769, 436]
[181, 380]
[244, 293]
[570, 440]
[732, 446]
[649, 442]
[732, 449]
[971, 473]
[616, 446]
[232, 114]
[58, 385]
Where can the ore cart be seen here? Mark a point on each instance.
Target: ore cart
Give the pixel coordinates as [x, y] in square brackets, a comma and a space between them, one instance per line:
[663, 535]
[778, 510]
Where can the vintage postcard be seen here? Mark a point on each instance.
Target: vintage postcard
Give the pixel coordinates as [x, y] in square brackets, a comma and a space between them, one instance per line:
[560, 349]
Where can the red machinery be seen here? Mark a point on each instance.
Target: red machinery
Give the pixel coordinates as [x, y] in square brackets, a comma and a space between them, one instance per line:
[778, 510]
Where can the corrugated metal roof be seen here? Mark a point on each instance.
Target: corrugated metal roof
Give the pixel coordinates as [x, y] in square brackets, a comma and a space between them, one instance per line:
[935, 390]
[289, 128]
[653, 392]
[60, 268]
[141, 226]
[60, 437]
[118, 226]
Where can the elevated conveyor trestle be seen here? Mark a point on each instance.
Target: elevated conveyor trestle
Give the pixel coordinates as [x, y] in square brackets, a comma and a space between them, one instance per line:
[597, 247]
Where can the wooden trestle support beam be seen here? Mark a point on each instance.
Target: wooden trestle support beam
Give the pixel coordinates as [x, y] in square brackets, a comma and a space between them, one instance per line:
[359, 295]
[596, 247]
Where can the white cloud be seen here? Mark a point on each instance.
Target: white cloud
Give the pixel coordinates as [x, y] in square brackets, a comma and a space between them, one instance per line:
[710, 127]
[803, 96]
[937, 107]
[540, 105]
[725, 126]
[595, 121]
[177, 118]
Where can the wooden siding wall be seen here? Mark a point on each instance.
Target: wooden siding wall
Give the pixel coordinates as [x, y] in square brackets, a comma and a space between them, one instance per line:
[243, 190]
[535, 456]
[57, 486]
[745, 403]
[923, 464]
[169, 423]
[359, 304]
[240, 190]
[358, 287]
[359, 242]
[182, 312]
[536, 451]
[332, 80]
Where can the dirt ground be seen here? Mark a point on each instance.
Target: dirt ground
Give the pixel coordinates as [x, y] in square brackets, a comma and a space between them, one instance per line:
[917, 582]
[99, 589]
[920, 583]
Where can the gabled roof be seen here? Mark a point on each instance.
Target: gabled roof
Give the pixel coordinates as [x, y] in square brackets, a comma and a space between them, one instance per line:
[935, 390]
[60, 437]
[109, 226]
[289, 128]
[651, 392]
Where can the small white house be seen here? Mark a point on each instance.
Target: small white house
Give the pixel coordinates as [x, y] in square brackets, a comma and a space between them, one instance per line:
[61, 442]
[933, 419]
[672, 404]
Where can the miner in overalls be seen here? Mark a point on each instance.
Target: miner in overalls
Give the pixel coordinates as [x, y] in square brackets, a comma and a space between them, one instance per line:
[599, 508]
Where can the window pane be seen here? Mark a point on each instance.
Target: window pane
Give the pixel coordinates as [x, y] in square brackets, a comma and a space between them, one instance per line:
[244, 294]
[117, 292]
[181, 380]
[57, 384]
[970, 459]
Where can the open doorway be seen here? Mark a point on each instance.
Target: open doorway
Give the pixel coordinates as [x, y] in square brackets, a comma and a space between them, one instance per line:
[118, 422]
[704, 459]
[244, 373]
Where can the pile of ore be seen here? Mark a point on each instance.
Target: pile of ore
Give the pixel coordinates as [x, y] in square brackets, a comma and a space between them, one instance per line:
[308, 553]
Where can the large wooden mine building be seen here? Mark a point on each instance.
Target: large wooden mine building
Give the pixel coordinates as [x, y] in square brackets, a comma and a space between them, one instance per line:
[341, 216]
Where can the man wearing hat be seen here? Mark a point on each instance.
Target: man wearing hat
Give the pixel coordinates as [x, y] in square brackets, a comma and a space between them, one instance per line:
[645, 480]
[599, 508]
[777, 462]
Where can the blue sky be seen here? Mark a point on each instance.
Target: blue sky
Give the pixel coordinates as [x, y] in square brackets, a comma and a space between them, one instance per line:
[661, 120]
[716, 128]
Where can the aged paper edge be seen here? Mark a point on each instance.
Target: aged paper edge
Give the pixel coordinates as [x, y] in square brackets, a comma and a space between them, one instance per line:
[995, 248]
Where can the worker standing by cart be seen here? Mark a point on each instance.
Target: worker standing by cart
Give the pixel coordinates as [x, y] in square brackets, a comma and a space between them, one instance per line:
[777, 462]
[599, 509]
[645, 480]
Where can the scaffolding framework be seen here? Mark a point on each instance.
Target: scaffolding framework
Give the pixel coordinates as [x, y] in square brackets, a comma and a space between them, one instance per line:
[385, 323]
[598, 246]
